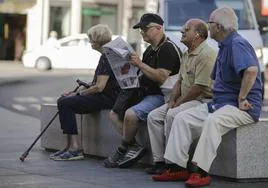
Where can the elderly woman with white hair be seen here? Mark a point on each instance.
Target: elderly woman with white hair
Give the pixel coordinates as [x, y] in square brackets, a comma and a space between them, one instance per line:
[101, 95]
[237, 98]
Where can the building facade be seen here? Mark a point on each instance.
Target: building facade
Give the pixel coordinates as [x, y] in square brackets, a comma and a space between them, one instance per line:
[34, 19]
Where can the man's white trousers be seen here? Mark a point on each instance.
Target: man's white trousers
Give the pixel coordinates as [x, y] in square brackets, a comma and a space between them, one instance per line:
[210, 127]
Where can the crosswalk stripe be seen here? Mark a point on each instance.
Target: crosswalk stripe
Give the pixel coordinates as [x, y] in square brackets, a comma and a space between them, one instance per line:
[19, 107]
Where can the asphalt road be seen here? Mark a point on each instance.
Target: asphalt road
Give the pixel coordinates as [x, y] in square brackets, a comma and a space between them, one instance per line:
[25, 93]
[23, 90]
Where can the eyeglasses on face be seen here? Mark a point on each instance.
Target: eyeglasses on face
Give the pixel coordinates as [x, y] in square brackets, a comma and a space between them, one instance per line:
[211, 22]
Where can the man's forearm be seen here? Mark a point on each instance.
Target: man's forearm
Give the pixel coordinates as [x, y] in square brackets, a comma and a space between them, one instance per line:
[158, 75]
[194, 92]
[248, 80]
[176, 91]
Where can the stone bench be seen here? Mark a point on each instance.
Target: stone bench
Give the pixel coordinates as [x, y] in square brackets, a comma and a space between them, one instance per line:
[97, 134]
[242, 155]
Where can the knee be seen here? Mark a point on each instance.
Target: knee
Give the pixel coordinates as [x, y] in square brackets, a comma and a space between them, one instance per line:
[180, 120]
[130, 115]
[60, 101]
[151, 118]
[65, 102]
[211, 123]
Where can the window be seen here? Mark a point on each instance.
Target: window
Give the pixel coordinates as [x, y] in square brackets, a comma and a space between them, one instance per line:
[177, 12]
[60, 20]
[99, 14]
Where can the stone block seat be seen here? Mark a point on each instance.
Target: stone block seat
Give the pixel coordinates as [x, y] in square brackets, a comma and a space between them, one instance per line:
[97, 133]
[242, 155]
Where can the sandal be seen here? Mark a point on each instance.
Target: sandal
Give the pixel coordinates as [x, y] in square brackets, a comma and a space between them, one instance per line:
[70, 156]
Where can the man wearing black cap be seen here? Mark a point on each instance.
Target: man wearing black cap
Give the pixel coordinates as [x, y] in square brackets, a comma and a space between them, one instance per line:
[160, 60]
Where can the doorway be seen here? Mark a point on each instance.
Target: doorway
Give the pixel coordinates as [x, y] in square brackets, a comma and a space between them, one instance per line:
[12, 36]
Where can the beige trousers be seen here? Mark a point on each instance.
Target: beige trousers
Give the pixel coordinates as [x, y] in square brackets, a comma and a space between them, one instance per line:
[210, 127]
[159, 123]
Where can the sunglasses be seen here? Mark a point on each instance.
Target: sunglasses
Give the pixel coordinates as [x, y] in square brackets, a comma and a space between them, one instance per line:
[212, 22]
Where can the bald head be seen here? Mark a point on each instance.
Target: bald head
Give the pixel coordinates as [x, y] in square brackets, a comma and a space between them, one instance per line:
[199, 26]
[226, 17]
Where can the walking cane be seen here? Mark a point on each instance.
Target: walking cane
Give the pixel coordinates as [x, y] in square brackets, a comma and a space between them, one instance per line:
[26, 153]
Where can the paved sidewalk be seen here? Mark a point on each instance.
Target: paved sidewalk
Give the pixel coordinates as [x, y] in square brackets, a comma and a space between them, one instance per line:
[17, 132]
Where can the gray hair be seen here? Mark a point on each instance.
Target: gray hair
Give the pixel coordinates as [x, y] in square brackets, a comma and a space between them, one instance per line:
[100, 33]
[157, 25]
[226, 17]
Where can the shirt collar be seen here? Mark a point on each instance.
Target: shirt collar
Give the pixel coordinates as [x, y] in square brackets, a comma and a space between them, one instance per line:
[199, 48]
[228, 39]
[164, 38]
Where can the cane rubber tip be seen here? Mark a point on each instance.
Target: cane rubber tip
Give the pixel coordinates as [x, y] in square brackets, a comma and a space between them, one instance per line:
[22, 159]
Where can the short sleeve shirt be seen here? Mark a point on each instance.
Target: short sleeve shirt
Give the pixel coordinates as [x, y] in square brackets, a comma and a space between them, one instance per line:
[235, 55]
[166, 56]
[196, 68]
[112, 87]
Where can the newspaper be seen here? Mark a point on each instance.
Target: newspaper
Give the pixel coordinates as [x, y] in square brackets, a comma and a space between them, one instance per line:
[118, 54]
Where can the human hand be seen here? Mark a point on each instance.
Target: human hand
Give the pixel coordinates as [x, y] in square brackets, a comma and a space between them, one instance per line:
[135, 60]
[177, 103]
[244, 104]
[171, 104]
[72, 93]
[67, 93]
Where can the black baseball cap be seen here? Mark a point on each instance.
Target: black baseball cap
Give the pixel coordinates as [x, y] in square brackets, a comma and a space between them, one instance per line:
[147, 19]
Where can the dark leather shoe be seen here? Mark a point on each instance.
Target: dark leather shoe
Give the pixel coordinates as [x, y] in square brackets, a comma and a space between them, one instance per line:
[157, 168]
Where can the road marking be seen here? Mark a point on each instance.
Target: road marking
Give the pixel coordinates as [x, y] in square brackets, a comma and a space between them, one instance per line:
[26, 99]
[49, 99]
[19, 107]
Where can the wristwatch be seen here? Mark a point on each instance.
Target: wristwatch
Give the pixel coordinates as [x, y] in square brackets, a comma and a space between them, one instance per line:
[242, 99]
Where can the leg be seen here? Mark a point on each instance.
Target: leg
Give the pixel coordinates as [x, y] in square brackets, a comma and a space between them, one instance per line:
[174, 111]
[186, 127]
[131, 123]
[117, 122]
[68, 107]
[130, 126]
[156, 127]
[138, 113]
[215, 126]
[159, 124]
[125, 100]
[155, 123]
[75, 143]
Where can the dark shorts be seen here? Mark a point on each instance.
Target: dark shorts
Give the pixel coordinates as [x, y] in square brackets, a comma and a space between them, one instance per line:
[126, 99]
